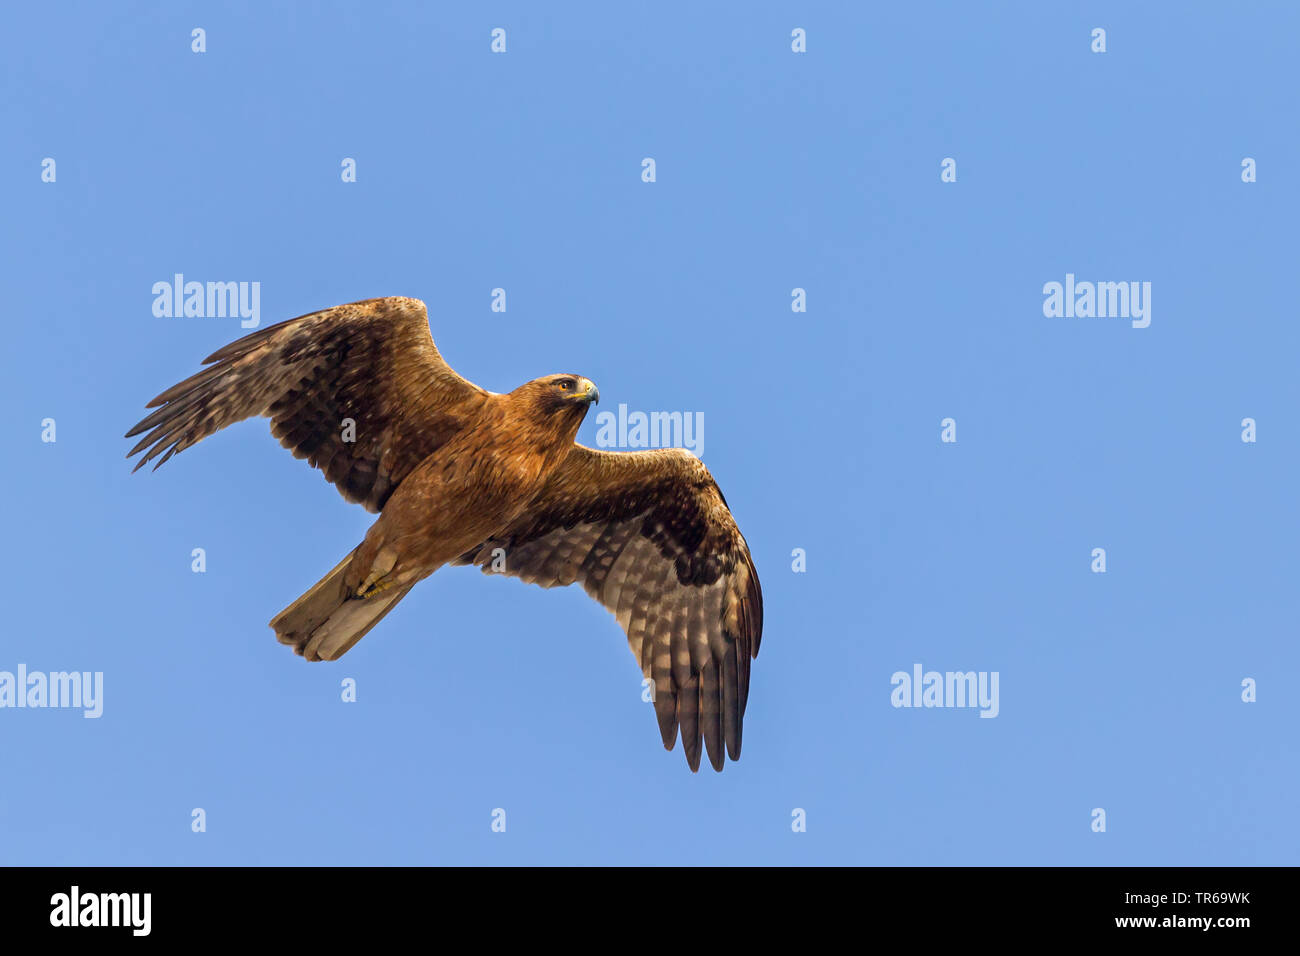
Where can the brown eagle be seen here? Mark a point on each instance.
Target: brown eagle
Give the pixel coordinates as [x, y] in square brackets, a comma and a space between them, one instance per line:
[460, 475]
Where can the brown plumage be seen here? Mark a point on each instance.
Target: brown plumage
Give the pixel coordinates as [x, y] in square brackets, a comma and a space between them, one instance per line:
[460, 475]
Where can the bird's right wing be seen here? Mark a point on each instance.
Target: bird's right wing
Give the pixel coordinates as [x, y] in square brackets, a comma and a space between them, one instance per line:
[649, 536]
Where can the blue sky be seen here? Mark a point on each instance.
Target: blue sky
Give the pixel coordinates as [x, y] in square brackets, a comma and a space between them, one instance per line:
[774, 171]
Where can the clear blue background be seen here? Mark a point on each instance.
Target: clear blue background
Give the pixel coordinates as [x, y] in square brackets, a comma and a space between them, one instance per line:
[775, 171]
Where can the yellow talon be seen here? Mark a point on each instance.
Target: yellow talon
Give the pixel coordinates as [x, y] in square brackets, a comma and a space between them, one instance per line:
[375, 589]
[382, 566]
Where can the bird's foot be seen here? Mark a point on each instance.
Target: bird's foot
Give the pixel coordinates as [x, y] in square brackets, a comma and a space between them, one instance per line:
[373, 589]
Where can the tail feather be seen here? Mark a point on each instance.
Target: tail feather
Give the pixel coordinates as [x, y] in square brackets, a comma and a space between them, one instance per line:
[326, 621]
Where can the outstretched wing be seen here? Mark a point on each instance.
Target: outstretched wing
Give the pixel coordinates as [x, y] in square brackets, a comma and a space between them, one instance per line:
[649, 536]
[373, 362]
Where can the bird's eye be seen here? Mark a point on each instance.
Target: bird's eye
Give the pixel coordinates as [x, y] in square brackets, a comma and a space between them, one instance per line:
[566, 385]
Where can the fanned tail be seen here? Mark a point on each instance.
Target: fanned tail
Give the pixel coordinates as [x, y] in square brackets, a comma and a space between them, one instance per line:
[326, 621]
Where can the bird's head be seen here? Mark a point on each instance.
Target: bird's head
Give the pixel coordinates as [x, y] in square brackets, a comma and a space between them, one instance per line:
[561, 399]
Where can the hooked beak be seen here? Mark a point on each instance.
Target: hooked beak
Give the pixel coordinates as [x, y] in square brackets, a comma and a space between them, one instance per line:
[591, 393]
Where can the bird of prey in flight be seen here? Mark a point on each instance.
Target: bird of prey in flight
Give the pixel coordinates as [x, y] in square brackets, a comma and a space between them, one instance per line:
[461, 475]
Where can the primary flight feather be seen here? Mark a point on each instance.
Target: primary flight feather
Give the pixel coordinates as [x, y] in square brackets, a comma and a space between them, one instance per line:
[460, 475]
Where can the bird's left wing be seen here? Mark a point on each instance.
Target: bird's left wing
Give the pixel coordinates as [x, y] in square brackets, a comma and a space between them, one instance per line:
[358, 390]
[649, 536]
